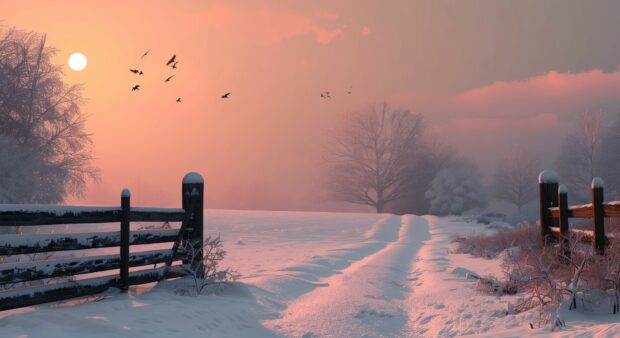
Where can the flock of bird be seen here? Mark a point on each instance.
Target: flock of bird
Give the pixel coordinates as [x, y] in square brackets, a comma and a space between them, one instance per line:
[172, 63]
[328, 95]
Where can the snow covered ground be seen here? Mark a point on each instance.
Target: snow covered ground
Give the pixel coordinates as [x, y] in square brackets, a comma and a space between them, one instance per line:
[313, 275]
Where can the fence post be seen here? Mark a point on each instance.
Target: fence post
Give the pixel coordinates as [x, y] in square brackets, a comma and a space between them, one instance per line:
[548, 189]
[598, 216]
[193, 202]
[563, 220]
[125, 213]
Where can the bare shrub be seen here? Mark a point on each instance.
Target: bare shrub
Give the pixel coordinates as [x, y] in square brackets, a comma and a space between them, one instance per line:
[210, 254]
[545, 275]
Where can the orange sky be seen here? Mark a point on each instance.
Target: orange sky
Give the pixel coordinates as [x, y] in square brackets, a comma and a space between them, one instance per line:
[261, 148]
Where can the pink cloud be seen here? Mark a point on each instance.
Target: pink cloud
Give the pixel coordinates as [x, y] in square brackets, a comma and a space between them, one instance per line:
[365, 31]
[551, 92]
[268, 26]
[485, 122]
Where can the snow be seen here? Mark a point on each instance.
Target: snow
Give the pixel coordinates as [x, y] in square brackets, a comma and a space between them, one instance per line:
[314, 275]
[548, 176]
[597, 182]
[562, 189]
[192, 178]
[125, 193]
[58, 210]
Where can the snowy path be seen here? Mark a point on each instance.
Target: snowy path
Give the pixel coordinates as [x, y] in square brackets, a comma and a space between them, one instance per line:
[366, 298]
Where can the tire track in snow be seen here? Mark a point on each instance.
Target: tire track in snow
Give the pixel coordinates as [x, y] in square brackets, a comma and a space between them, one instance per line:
[277, 290]
[366, 299]
[445, 303]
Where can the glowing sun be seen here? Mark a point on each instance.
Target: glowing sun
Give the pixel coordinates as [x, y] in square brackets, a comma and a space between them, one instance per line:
[77, 61]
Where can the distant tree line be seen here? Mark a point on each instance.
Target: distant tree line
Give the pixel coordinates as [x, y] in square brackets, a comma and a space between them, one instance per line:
[386, 158]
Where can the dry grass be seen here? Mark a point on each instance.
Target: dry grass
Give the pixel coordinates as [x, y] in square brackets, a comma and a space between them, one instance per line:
[490, 246]
[545, 277]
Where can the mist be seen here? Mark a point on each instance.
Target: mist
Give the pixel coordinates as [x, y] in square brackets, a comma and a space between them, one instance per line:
[485, 75]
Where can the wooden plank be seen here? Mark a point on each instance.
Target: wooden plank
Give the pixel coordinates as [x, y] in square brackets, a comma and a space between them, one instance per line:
[38, 243]
[27, 214]
[38, 295]
[157, 215]
[27, 271]
[27, 218]
[575, 211]
[612, 209]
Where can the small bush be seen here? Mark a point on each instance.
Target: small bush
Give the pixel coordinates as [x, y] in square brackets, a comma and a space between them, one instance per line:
[202, 263]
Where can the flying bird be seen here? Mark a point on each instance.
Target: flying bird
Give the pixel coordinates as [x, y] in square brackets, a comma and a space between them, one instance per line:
[172, 60]
[136, 87]
[169, 78]
[326, 95]
[135, 71]
[225, 96]
[145, 54]
[179, 100]
[174, 65]
[350, 87]
[140, 73]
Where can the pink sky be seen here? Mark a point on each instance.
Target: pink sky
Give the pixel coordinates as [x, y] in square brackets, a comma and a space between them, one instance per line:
[483, 89]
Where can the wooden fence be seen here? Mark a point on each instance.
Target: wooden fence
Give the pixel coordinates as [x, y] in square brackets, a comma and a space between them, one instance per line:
[555, 212]
[17, 276]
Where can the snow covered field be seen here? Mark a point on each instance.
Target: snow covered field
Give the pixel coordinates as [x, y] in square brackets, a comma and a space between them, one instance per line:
[313, 275]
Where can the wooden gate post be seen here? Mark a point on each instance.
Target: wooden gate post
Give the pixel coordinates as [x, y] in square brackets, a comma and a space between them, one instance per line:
[598, 216]
[548, 189]
[125, 221]
[192, 193]
[563, 220]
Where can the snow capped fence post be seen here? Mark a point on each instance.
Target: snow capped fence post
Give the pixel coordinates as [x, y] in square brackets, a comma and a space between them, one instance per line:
[124, 247]
[563, 219]
[193, 202]
[548, 189]
[598, 216]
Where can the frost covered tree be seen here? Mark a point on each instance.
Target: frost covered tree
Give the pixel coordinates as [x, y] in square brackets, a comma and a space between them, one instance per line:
[456, 190]
[42, 115]
[579, 158]
[25, 178]
[432, 154]
[515, 177]
[368, 156]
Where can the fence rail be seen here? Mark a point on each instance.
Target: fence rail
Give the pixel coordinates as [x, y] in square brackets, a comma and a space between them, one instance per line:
[555, 213]
[18, 276]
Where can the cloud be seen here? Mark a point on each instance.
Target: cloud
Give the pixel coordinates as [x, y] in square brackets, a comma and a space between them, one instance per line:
[560, 93]
[485, 122]
[267, 26]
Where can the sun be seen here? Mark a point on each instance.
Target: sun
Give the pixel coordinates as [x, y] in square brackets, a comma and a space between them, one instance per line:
[77, 61]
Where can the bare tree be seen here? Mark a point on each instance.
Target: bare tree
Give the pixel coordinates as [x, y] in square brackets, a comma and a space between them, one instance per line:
[513, 179]
[579, 158]
[42, 114]
[368, 156]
